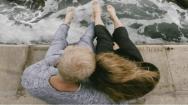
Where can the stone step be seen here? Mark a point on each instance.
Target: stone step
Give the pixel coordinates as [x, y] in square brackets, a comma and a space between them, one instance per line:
[172, 60]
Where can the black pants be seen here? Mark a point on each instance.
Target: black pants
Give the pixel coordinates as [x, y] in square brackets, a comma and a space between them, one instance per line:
[120, 36]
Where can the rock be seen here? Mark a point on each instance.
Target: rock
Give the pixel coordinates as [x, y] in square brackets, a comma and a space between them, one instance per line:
[181, 3]
[185, 32]
[151, 31]
[166, 31]
[33, 4]
[84, 23]
[36, 4]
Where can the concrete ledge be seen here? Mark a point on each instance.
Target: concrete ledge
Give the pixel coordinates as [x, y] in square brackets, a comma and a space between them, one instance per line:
[172, 61]
[12, 61]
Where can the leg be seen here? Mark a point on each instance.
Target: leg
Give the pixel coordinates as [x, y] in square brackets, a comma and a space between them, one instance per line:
[97, 13]
[104, 39]
[88, 38]
[127, 47]
[121, 37]
[111, 10]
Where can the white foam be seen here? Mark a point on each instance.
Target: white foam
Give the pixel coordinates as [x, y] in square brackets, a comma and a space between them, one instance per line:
[44, 29]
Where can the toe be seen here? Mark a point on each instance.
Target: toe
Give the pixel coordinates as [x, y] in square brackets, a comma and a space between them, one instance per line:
[70, 8]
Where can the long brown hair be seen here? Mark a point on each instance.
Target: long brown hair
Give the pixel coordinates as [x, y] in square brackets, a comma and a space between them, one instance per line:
[122, 79]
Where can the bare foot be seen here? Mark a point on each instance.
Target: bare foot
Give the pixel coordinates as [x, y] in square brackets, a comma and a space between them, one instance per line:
[97, 12]
[96, 8]
[112, 12]
[69, 15]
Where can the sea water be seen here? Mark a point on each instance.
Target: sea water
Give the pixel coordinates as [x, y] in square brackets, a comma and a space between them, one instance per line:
[147, 21]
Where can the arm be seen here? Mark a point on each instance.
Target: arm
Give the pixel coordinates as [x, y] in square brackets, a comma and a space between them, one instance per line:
[127, 47]
[88, 38]
[59, 42]
[35, 79]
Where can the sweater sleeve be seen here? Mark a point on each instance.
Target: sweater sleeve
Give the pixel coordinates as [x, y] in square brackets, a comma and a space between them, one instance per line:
[59, 42]
[37, 75]
[88, 38]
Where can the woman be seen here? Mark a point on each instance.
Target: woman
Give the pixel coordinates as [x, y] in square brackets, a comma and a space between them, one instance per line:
[63, 85]
[121, 74]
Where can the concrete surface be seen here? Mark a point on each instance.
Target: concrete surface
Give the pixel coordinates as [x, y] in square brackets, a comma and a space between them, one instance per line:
[172, 61]
[12, 61]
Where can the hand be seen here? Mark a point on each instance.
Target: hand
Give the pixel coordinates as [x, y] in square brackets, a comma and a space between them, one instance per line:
[115, 46]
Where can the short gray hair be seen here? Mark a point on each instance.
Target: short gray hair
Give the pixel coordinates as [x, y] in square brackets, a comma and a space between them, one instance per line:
[77, 63]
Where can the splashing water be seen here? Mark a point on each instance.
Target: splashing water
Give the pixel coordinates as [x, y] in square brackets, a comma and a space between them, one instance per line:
[147, 21]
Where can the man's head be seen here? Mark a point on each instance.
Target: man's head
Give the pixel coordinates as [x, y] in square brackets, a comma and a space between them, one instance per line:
[77, 63]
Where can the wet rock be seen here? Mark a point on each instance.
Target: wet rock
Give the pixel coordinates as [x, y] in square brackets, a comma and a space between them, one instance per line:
[185, 32]
[166, 31]
[151, 31]
[84, 23]
[33, 4]
[181, 3]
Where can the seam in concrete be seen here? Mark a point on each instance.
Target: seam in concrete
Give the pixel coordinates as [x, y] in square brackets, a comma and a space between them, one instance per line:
[20, 90]
[167, 49]
[28, 56]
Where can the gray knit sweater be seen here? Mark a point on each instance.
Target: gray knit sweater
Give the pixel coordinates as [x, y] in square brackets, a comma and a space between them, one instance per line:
[35, 78]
